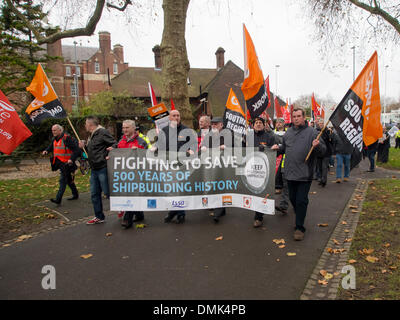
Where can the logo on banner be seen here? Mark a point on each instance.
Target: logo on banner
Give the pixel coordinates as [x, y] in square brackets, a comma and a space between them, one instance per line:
[247, 202]
[226, 200]
[179, 204]
[204, 202]
[151, 203]
[256, 172]
[128, 204]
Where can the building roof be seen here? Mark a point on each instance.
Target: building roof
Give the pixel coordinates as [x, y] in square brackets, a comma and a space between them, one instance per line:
[82, 53]
[135, 80]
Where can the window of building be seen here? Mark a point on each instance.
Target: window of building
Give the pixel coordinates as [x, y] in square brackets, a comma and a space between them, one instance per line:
[68, 71]
[73, 90]
[115, 68]
[78, 71]
[97, 67]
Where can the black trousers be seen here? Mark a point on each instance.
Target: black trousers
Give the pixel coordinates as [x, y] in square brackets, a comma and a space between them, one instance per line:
[322, 168]
[128, 216]
[397, 143]
[298, 195]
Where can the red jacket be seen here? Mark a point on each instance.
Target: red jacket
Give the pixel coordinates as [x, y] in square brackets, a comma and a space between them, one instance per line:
[134, 142]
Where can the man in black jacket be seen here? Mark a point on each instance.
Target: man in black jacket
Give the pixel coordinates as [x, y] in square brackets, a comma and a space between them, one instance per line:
[98, 143]
[65, 152]
[263, 138]
[173, 138]
[323, 161]
[296, 144]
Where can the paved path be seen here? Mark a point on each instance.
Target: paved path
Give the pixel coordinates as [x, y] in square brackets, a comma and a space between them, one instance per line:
[177, 261]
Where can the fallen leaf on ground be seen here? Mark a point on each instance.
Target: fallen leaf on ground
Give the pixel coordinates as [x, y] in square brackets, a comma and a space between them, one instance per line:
[328, 276]
[383, 270]
[367, 251]
[329, 250]
[344, 222]
[86, 256]
[6, 245]
[108, 234]
[219, 238]
[282, 246]
[354, 211]
[323, 282]
[323, 272]
[335, 274]
[348, 240]
[140, 226]
[392, 267]
[353, 207]
[322, 224]
[346, 230]
[372, 259]
[279, 241]
[351, 261]
[336, 242]
[387, 245]
[24, 237]
[291, 254]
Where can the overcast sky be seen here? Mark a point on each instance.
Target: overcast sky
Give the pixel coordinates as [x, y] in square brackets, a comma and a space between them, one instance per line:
[279, 32]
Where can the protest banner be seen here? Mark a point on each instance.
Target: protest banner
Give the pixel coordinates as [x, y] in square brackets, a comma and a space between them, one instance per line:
[139, 181]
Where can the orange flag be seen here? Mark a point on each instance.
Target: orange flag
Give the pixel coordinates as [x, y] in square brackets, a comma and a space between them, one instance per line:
[46, 104]
[253, 86]
[234, 117]
[366, 87]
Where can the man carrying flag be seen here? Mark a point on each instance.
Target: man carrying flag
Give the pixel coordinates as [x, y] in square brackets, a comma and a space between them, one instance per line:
[253, 86]
[12, 130]
[357, 117]
[46, 104]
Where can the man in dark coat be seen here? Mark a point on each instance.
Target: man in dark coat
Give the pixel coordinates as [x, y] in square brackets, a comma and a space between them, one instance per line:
[297, 142]
[383, 147]
[263, 138]
[97, 146]
[173, 138]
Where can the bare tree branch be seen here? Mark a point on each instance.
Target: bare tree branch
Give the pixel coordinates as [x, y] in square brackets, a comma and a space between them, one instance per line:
[127, 3]
[86, 31]
[376, 10]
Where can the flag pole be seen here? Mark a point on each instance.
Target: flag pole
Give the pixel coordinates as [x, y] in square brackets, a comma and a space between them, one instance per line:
[76, 134]
[319, 136]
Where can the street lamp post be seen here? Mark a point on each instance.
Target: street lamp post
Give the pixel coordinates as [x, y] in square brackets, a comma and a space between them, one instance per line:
[384, 102]
[76, 79]
[276, 79]
[354, 62]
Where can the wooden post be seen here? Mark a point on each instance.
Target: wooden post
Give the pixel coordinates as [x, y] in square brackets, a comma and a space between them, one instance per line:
[319, 136]
[79, 139]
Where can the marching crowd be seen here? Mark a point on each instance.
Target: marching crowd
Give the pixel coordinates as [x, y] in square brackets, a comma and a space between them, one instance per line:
[292, 143]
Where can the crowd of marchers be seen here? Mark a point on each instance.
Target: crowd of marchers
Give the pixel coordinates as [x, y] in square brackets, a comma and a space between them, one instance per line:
[291, 142]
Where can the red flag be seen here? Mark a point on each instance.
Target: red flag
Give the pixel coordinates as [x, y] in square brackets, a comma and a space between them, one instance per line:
[286, 113]
[278, 112]
[12, 130]
[172, 105]
[152, 95]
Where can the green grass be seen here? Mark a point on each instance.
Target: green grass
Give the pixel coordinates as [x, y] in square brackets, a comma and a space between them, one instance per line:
[18, 198]
[378, 229]
[394, 160]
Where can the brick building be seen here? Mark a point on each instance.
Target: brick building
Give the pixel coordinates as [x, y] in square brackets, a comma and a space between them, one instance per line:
[94, 68]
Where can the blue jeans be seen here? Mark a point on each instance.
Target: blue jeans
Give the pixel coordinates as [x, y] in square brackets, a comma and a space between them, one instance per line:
[371, 158]
[98, 184]
[340, 160]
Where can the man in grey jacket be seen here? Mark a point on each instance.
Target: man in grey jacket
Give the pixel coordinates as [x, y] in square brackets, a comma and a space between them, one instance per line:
[296, 144]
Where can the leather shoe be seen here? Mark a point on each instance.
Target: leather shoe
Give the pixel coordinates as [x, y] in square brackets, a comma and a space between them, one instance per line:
[55, 201]
[284, 211]
[180, 219]
[298, 235]
[73, 198]
[257, 223]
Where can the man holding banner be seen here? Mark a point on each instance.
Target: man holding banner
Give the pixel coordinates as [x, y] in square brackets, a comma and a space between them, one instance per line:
[296, 143]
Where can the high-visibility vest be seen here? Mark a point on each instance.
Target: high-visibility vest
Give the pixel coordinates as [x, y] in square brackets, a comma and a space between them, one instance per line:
[397, 134]
[283, 157]
[60, 150]
[146, 139]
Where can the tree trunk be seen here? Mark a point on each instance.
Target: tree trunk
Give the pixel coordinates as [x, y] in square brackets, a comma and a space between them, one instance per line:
[175, 63]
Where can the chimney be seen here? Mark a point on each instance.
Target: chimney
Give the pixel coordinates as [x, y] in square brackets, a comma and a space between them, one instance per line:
[157, 57]
[119, 52]
[105, 42]
[220, 58]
